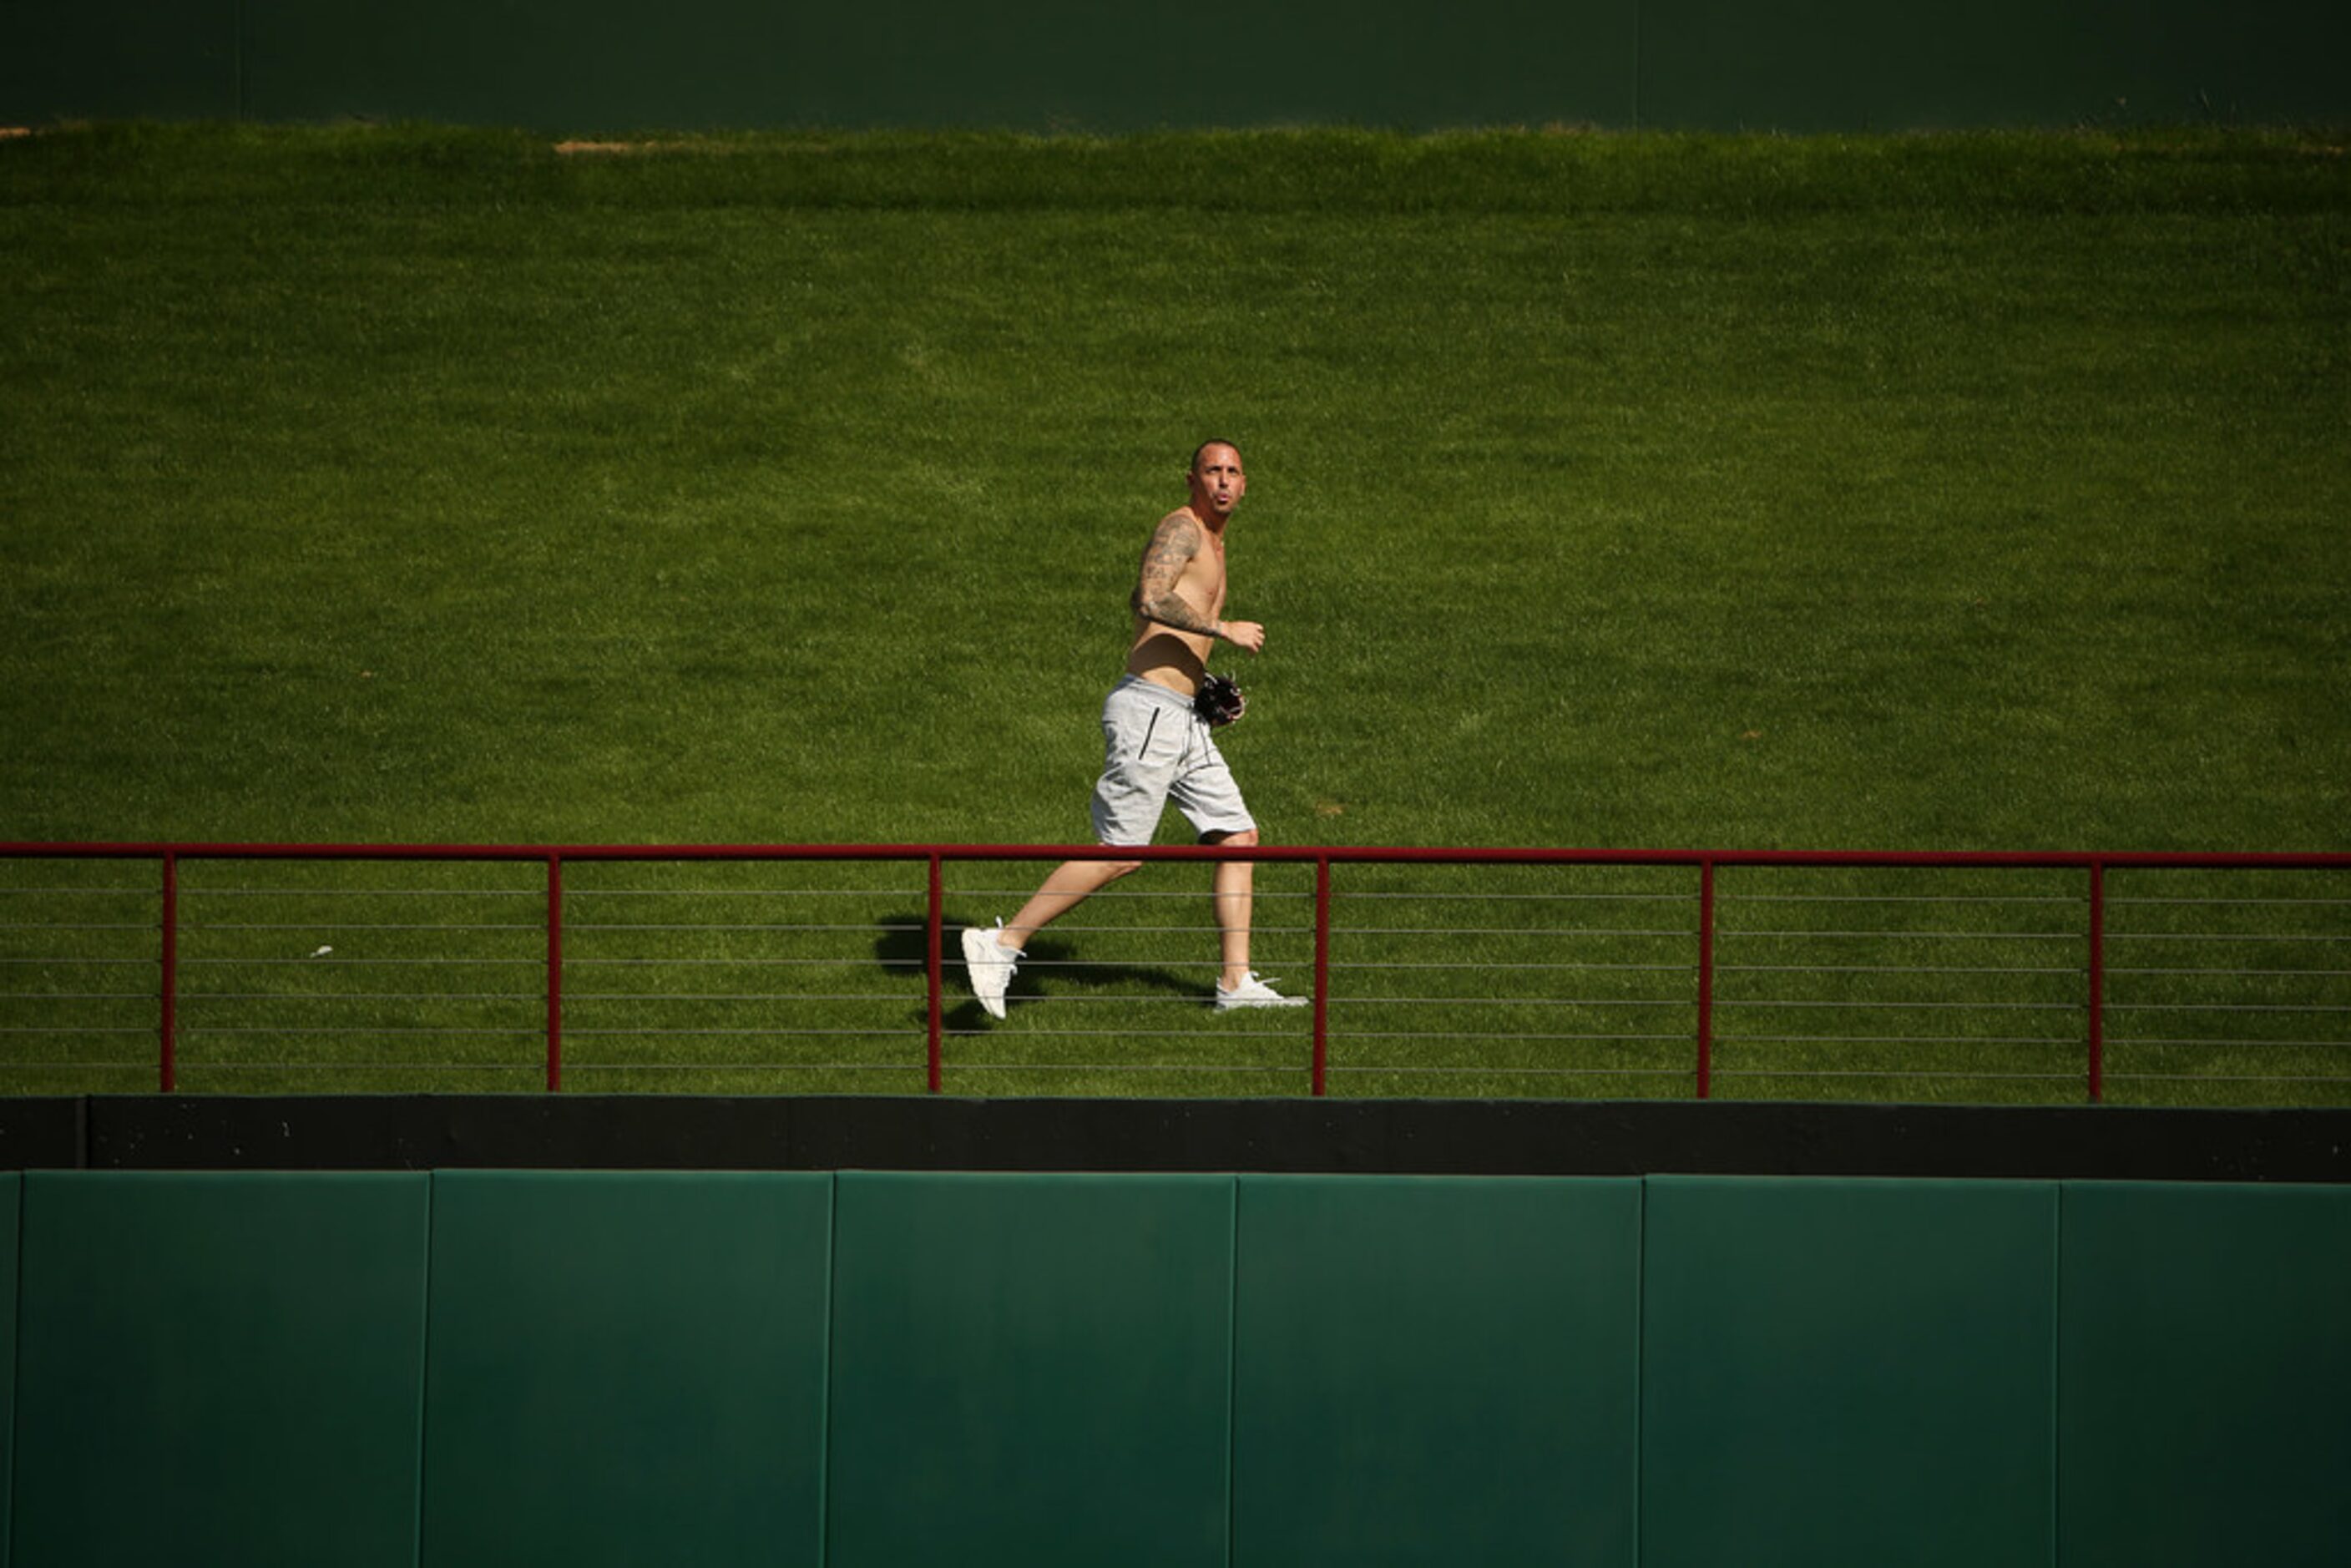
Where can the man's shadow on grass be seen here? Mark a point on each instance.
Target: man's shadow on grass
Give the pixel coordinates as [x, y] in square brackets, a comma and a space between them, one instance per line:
[901, 947]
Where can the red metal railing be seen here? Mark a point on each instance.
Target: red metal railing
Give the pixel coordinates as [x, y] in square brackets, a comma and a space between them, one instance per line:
[1704, 965]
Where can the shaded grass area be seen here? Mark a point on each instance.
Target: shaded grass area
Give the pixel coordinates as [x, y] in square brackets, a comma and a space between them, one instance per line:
[1974, 492]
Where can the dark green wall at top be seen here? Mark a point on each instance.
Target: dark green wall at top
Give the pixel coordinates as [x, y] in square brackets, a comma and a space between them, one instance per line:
[1043, 64]
[117, 60]
[1846, 65]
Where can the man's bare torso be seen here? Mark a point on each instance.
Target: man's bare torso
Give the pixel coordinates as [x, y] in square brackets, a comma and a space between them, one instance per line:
[1163, 655]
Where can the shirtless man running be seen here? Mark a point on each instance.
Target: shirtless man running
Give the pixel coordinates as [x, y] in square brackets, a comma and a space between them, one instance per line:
[1156, 749]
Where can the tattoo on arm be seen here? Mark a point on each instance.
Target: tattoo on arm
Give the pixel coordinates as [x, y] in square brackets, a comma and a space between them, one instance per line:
[1172, 547]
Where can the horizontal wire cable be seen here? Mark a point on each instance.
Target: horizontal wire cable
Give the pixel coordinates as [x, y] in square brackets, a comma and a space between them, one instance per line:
[127, 891]
[1115, 1067]
[1924, 1073]
[1155, 963]
[1686, 967]
[189, 926]
[1722, 1041]
[1546, 966]
[1291, 1035]
[1517, 1001]
[2273, 903]
[2075, 970]
[1912, 935]
[1492, 1034]
[1193, 998]
[913, 1031]
[198, 891]
[1506, 1002]
[2224, 936]
[238, 1064]
[1261, 894]
[1335, 1068]
[1723, 1001]
[907, 890]
[76, 997]
[2227, 1007]
[2074, 899]
[338, 962]
[1342, 895]
[2156, 1041]
[501, 1031]
[1065, 929]
[2235, 974]
[583, 927]
[636, 963]
[571, 997]
[1553, 932]
[362, 997]
[570, 1066]
[2223, 1078]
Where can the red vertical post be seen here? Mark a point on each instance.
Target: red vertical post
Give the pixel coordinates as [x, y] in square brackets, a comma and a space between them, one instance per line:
[1705, 979]
[2097, 981]
[934, 934]
[1321, 972]
[167, 1048]
[554, 974]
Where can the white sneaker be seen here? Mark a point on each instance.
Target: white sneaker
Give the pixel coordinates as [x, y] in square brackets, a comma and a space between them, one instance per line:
[990, 964]
[1253, 992]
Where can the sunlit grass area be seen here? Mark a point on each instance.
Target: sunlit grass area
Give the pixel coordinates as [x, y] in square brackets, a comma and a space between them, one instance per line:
[410, 485]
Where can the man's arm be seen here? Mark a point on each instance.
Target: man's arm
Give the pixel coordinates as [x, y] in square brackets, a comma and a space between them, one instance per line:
[1172, 545]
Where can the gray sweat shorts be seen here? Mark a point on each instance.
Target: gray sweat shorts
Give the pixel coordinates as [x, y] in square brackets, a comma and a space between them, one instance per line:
[1154, 750]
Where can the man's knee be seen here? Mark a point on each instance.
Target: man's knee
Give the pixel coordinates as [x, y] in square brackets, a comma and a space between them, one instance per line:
[1112, 870]
[1245, 839]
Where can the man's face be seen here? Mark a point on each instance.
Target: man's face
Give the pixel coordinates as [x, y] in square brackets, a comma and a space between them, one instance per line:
[1218, 481]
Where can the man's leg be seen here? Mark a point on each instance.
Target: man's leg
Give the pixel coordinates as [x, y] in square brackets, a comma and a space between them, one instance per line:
[1235, 889]
[1125, 811]
[1210, 797]
[1235, 881]
[1071, 884]
[989, 956]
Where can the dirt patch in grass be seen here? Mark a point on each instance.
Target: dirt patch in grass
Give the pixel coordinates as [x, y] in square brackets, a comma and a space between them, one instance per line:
[621, 149]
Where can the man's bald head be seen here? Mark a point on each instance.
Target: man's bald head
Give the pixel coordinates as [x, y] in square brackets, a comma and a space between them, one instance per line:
[1205, 448]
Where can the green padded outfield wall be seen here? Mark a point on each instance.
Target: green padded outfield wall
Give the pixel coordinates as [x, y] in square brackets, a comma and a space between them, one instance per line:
[12, 1198]
[298, 1368]
[220, 1370]
[627, 1369]
[584, 65]
[1847, 1373]
[1436, 1370]
[2205, 1385]
[1030, 1371]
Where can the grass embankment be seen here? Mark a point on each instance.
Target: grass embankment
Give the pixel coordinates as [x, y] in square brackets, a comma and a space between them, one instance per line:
[1977, 491]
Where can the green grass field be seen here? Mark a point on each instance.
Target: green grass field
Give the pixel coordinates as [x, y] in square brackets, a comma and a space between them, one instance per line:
[1973, 492]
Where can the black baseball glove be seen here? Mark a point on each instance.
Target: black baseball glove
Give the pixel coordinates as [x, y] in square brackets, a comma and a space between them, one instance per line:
[1219, 701]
